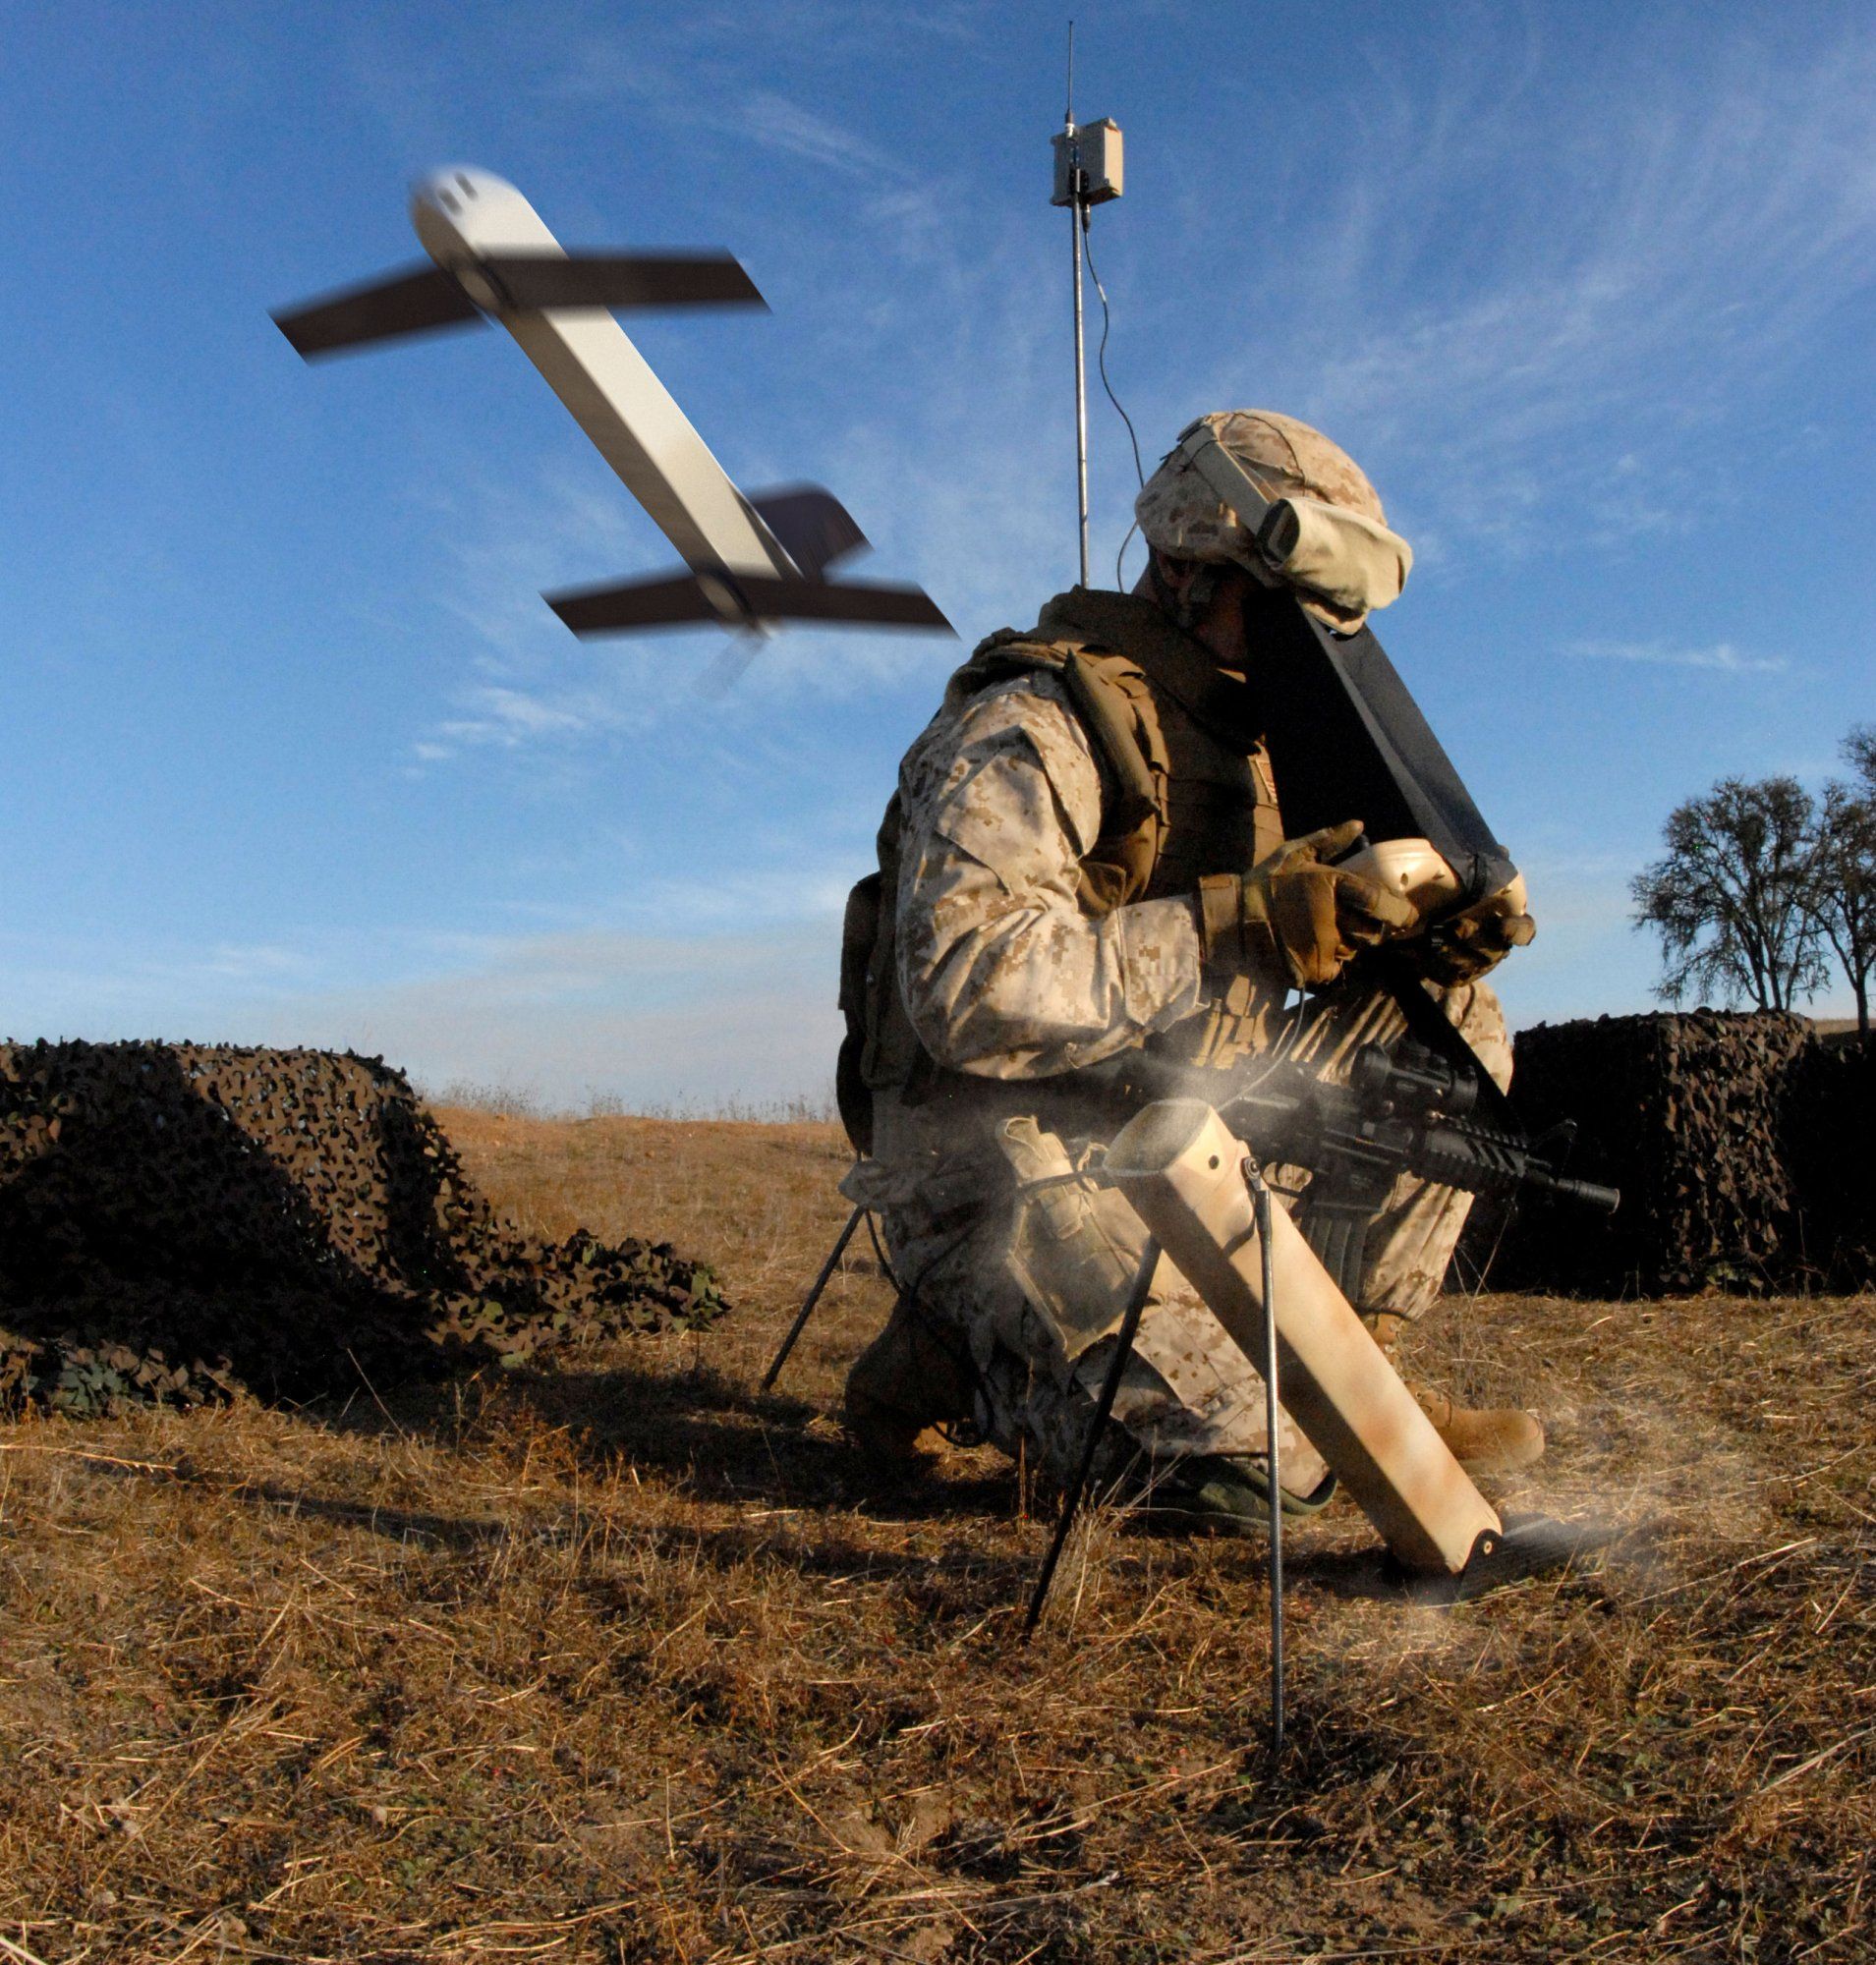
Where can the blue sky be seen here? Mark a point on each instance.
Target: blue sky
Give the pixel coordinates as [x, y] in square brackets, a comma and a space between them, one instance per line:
[294, 753]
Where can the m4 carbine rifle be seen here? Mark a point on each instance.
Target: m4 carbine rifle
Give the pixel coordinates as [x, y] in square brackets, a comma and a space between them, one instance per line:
[1410, 1110]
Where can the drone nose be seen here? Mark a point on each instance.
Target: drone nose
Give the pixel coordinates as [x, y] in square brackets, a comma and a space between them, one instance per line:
[455, 189]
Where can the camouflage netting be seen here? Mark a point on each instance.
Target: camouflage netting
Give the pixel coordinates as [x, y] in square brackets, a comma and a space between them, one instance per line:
[1742, 1147]
[1830, 1144]
[176, 1221]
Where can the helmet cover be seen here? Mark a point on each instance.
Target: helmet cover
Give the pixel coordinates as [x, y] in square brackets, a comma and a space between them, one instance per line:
[1182, 517]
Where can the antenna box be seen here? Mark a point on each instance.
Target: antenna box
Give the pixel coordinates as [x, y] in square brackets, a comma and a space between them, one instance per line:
[1094, 149]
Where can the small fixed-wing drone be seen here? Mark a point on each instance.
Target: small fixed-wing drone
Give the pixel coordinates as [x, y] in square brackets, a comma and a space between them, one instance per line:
[754, 560]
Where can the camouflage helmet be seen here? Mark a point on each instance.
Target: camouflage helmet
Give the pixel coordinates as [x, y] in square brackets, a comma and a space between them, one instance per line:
[1182, 517]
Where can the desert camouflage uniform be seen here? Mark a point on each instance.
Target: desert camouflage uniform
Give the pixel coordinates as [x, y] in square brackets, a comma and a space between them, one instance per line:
[1032, 1009]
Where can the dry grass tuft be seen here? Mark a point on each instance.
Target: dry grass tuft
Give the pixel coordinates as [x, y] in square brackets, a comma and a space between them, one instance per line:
[636, 1664]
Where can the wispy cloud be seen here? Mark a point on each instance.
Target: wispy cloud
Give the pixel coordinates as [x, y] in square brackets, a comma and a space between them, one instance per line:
[1551, 318]
[1721, 656]
[692, 64]
[777, 122]
[511, 717]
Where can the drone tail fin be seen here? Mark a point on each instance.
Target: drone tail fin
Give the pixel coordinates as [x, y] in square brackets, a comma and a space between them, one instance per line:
[810, 524]
[719, 599]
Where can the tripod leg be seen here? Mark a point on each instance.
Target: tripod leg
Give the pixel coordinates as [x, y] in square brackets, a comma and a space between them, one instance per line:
[820, 1282]
[1103, 1408]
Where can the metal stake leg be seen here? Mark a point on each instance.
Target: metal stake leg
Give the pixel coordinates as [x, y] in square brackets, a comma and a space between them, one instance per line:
[1104, 1408]
[1260, 1206]
[800, 1323]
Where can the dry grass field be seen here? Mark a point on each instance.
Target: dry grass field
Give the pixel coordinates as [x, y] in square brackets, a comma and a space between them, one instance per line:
[636, 1664]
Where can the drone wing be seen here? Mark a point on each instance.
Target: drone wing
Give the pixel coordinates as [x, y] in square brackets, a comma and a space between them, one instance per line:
[427, 298]
[533, 282]
[417, 302]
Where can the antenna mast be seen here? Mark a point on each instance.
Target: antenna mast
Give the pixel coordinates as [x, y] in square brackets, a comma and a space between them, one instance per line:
[1088, 172]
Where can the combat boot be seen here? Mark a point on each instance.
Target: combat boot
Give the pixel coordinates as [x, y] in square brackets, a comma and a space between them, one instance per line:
[1482, 1439]
[906, 1380]
[1226, 1493]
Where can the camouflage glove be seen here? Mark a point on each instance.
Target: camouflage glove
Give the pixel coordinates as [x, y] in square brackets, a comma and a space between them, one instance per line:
[1295, 919]
[1469, 946]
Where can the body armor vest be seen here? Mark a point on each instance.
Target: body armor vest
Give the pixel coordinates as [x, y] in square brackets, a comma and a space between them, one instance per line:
[1187, 791]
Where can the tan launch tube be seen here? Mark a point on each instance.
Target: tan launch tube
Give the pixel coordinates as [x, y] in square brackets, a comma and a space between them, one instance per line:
[1179, 1165]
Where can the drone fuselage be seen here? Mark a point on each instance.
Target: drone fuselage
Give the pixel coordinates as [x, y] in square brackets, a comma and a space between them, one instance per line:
[589, 362]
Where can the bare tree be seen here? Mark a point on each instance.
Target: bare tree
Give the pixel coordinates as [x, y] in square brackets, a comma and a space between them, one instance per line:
[1859, 753]
[1842, 902]
[1733, 898]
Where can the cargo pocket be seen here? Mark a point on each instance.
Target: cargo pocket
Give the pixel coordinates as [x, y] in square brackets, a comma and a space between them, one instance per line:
[1074, 1249]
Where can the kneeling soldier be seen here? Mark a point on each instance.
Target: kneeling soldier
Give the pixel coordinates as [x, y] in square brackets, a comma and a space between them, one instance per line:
[1086, 868]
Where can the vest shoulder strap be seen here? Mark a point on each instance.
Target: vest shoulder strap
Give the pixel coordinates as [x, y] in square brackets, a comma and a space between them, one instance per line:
[1108, 693]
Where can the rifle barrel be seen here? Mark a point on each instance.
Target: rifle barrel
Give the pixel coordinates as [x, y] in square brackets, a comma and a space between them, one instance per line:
[1585, 1193]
